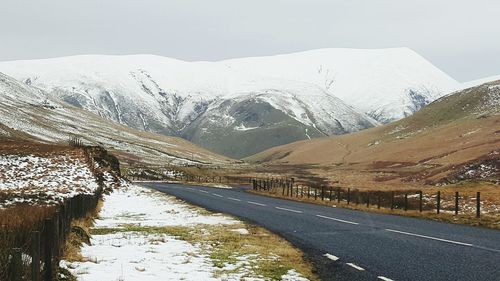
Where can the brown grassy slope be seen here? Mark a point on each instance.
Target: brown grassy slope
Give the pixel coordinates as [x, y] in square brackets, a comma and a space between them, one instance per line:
[431, 146]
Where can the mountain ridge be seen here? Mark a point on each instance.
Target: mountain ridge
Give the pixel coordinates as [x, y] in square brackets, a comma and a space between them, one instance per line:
[179, 98]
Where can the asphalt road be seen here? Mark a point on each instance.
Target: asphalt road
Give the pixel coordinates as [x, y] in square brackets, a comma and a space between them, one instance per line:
[353, 245]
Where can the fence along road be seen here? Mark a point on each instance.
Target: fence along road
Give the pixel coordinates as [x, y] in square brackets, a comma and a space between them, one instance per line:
[353, 245]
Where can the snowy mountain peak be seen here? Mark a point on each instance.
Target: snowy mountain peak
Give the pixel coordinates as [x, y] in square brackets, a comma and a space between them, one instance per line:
[298, 96]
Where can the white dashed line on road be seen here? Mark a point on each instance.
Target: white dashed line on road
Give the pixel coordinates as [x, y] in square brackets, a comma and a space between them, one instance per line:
[332, 257]
[384, 278]
[255, 203]
[203, 191]
[355, 266]
[234, 199]
[218, 195]
[430, 237]
[289, 210]
[339, 220]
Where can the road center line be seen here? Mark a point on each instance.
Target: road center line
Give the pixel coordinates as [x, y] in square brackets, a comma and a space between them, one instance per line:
[203, 191]
[234, 199]
[255, 203]
[332, 257]
[355, 266]
[215, 194]
[430, 237]
[339, 220]
[384, 278]
[289, 210]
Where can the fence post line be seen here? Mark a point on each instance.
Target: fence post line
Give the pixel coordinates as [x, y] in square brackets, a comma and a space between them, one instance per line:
[322, 193]
[35, 256]
[378, 200]
[338, 194]
[456, 203]
[308, 191]
[315, 194]
[16, 264]
[331, 193]
[406, 202]
[478, 204]
[438, 203]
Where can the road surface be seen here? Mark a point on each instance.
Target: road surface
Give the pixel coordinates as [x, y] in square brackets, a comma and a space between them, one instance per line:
[346, 244]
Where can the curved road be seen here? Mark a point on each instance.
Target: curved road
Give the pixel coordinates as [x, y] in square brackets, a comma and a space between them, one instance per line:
[353, 245]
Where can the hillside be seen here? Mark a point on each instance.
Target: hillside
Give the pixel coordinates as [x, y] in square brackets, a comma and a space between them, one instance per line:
[29, 114]
[228, 106]
[456, 137]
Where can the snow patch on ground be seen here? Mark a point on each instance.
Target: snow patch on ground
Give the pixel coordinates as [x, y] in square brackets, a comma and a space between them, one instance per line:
[143, 256]
[47, 180]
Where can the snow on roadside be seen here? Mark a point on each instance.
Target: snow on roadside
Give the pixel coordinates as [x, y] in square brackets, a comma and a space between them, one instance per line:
[134, 205]
[142, 255]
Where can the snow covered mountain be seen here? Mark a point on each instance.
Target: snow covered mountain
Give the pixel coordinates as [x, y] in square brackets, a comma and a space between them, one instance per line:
[230, 106]
[30, 114]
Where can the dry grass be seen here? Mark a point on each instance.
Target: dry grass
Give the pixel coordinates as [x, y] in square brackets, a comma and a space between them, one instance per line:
[24, 216]
[80, 234]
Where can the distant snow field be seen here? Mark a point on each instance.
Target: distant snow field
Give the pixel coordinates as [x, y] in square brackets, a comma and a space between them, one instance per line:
[145, 255]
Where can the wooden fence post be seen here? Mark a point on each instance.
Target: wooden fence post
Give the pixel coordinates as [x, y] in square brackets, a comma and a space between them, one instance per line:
[348, 196]
[478, 205]
[315, 194]
[392, 200]
[35, 256]
[406, 202]
[308, 191]
[368, 199]
[338, 194]
[48, 227]
[438, 203]
[420, 195]
[331, 194]
[378, 200]
[322, 193]
[16, 265]
[456, 203]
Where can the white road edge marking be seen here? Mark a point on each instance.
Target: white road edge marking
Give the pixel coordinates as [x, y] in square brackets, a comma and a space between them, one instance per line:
[355, 266]
[332, 257]
[215, 194]
[339, 220]
[234, 199]
[255, 203]
[289, 210]
[430, 237]
[203, 191]
[384, 278]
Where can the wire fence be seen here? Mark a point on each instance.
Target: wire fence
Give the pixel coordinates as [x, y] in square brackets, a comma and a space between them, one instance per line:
[34, 253]
[416, 200]
[30, 249]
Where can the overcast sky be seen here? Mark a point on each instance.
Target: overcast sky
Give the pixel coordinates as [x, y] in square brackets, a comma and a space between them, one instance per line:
[462, 37]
